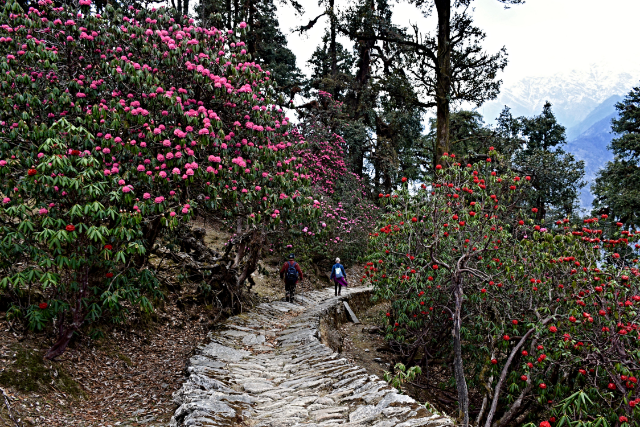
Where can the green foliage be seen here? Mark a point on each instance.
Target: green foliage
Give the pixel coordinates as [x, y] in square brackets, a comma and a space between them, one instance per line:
[401, 375]
[535, 148]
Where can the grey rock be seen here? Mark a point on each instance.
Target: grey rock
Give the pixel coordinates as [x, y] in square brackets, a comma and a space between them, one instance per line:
[227, 354]
[235, 334]
[251, 339]
[257, 386]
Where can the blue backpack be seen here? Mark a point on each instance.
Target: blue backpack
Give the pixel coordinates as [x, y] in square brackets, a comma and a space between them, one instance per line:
[292, 274]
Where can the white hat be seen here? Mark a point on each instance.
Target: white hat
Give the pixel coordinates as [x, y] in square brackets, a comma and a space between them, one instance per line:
[337, 260]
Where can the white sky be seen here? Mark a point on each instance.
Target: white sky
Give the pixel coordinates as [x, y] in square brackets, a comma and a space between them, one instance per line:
[542, 37]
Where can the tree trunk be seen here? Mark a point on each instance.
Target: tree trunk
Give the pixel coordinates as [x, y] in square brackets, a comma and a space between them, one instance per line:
[228, 6]
[458, 368]
[252, 36]
[443, 79]
[236, 10]
[355, 97]
[151, 232]
[332, 48]
[65, 333]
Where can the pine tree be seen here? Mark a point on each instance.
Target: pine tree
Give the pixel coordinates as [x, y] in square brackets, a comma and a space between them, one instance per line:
[617, 187]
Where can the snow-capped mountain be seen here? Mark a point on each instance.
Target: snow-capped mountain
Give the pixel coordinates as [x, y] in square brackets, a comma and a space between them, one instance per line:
[574, 94]
[583, 101]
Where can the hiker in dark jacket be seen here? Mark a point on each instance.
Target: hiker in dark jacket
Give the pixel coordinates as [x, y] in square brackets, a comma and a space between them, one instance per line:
[339, 276]
[291, 273]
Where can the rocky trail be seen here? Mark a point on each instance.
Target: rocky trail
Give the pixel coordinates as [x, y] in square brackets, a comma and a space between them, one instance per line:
[269, 368]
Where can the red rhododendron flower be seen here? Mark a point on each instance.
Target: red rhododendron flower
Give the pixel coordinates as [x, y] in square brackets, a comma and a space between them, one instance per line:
[109, 275]
[70, 227]
[108, 247]
[32, 172]
[43, 305]
[553, 329]
[545, 424]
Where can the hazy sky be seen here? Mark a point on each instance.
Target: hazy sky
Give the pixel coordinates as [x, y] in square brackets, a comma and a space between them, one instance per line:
[542, 37]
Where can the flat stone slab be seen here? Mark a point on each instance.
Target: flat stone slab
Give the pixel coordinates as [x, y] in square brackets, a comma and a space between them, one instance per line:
[251, 339]
[258, 386]
[222, 352]
[352, 315]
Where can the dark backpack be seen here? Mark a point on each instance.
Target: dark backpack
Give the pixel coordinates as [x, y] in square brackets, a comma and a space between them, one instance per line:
[291, 275]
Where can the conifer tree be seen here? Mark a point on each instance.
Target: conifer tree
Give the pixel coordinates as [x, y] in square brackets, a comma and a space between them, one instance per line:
[617, 187]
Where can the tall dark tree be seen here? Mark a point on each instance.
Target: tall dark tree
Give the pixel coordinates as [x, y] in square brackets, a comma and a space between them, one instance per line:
[617, 187]
[372, 83]
[556, 176]
[330, 68]
[445, 66]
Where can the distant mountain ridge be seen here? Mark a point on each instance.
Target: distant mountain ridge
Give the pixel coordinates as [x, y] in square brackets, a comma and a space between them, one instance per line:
[574, 94]
[591, 146]
[605, 110]
[583, 101]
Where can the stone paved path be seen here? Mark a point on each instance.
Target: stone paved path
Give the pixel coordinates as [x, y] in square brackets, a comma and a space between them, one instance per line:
[239, 379]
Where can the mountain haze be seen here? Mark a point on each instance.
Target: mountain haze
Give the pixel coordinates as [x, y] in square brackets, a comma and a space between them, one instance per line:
[583, 101]
[605, 110]
[574, 94]
[591, 146]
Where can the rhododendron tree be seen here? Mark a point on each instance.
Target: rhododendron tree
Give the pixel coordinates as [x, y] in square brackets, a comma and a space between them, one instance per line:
[179, 122]
[537, 321]
[344, 213]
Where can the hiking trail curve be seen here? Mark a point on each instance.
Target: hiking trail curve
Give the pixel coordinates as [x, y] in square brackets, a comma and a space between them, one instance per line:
[269, 368]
